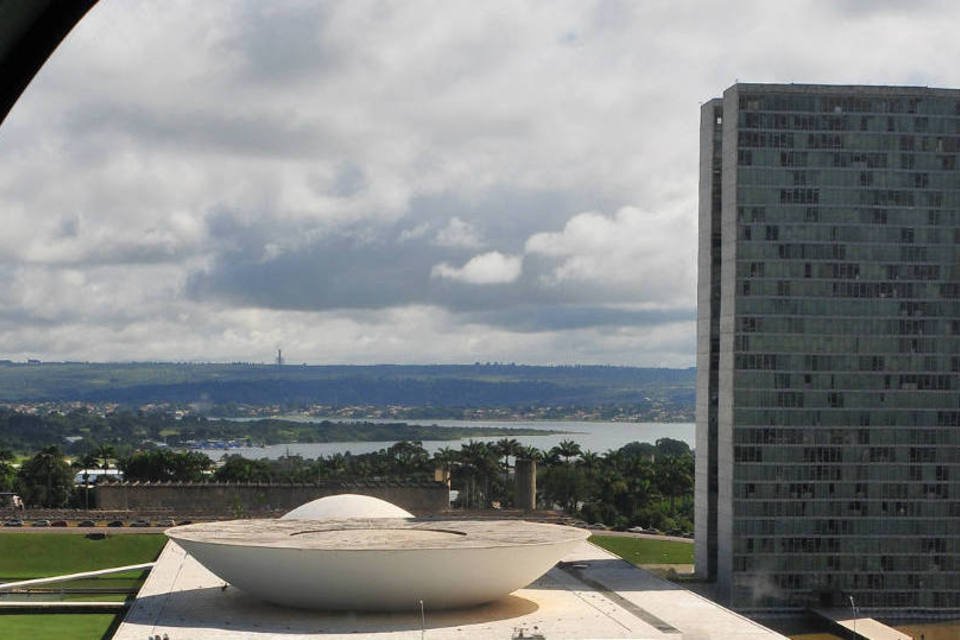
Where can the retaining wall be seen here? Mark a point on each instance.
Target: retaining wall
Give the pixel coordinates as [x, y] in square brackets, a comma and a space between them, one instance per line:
[244, 499]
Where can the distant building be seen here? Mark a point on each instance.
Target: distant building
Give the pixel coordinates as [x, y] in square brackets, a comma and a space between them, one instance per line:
[828, 424]
[94, 476]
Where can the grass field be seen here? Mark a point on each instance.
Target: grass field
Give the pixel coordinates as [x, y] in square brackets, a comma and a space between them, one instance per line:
[641, 551]
[37, 555]
[69, 626]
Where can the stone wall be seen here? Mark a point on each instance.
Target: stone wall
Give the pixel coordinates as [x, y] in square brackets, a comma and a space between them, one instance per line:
[245, 499]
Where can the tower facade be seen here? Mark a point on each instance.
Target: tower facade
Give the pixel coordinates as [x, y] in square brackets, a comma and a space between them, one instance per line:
[828, 389]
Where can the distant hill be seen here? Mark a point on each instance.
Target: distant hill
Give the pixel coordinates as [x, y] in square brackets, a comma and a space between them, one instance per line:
[480, 385]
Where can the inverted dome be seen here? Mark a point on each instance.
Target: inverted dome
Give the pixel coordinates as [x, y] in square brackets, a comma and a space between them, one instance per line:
[378, 564]
[344, 506]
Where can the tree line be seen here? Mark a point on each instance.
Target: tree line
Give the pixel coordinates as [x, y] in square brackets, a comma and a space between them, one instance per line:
[83, 431]
[640, 484]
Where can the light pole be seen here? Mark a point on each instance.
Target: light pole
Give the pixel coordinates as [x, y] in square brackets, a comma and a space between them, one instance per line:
[853, 608]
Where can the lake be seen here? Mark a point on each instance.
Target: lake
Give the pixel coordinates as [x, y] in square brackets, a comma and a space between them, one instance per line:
[598, 437]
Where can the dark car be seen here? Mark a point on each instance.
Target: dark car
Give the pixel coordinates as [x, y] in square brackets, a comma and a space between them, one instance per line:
[86, 523]
[141, 523]
[116, 523]
[59, 523]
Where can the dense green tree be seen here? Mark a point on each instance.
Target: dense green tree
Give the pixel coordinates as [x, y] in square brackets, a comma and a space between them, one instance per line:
[45, 480]
[408, 457]
[7, 471]
[165, 465]
[672, 447]
[564, 485]
[240, 469]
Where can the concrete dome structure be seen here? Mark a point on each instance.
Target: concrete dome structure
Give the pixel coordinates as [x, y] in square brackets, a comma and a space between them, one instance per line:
[377, 564]
[344, 506]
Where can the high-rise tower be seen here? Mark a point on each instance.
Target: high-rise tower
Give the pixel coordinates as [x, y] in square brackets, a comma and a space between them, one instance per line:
[828, 389]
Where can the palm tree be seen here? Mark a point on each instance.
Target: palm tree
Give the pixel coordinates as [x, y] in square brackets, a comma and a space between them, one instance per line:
[507, 447]
[480, 462]
[530, 453]
[567, 449]
[589, 460]
[104, 453]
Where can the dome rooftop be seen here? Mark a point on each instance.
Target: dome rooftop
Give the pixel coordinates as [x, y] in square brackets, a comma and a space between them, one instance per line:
[344, 506]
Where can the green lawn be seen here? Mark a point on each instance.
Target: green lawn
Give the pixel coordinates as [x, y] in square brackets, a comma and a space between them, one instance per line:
[36, 555]
[56, 626]
[641, 551]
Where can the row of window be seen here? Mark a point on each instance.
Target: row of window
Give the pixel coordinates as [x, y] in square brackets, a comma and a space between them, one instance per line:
[934, 507]
[925, 422]
[839, 493]
[855, 527]
[838, 271]
[849, 233]
[817, 288]
[848, 307]
[943, 253]
[858, 326]
[860, 455]
[931, 105]
[752, 195]
[838, 181]
[748, 139]
[843, 122]
[806, 364]
[874, 550]
[911, 569]
[920, 440]
[763, 343]
[832, 473]
[753, 159]
[844, 215]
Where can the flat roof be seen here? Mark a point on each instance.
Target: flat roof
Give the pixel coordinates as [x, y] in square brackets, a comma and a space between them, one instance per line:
[591, 594]
[375, 533]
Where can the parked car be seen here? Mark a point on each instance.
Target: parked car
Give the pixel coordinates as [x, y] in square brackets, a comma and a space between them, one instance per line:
[166, 522]
[637, 530]
[58, 523]
[40, 523]
[116, 523]
[140, 523]
[13, 523]
[86, 523]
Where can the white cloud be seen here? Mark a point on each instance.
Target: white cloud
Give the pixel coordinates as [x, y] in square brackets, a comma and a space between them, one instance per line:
[487, 268]
[458, 233]
[648, 256]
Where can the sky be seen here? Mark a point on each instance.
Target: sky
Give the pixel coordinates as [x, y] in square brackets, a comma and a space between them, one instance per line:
[396, 182]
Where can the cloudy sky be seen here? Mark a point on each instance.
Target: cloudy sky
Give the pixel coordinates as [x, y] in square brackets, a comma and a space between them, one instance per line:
[365, 182]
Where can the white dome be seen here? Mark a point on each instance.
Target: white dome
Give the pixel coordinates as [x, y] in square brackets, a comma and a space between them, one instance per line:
[346, 505]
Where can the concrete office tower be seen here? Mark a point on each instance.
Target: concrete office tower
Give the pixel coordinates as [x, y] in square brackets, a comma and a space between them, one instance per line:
[828, 413]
